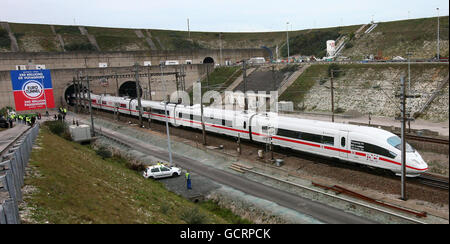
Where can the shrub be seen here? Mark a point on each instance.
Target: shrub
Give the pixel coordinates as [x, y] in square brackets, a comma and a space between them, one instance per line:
[313, 43]
[103, 152]
[4, 39]
[80, 47]
[193, 216]
[57, 127]
[336, 70]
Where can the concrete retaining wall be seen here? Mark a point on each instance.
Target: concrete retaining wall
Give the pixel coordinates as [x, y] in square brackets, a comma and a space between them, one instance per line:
[64, 60]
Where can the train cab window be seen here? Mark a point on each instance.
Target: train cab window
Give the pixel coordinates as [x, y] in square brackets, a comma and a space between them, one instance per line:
[342, 141]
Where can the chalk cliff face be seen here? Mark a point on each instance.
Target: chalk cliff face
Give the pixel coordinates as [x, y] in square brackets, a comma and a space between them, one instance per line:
[372, 88]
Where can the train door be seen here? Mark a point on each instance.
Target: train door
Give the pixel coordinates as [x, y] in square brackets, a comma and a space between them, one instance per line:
[343, 144]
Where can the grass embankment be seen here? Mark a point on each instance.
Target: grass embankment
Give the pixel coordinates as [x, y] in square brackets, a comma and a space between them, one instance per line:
[298, 90]
[75, 185]
[220, 79]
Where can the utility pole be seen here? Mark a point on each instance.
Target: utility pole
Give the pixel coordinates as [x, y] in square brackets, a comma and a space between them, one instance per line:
[165, 113]
[83, 93]
[409, 87]
[149, 84]
[150, 96]
[76, 92]
[403, 120]
[189, 32]
[90, 106]
[437, 35]
[138, 92]
[201, 114]
[287, 39]
[273, 78]
[332, 96]
[404, 117]
[244, 75]
[220, 41]
[117, 85]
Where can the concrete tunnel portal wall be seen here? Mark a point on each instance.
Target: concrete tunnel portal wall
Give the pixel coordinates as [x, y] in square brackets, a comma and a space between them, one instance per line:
[128, 89]
[208, 60]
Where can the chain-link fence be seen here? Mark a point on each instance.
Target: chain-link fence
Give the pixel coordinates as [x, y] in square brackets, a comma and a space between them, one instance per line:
[13, 162]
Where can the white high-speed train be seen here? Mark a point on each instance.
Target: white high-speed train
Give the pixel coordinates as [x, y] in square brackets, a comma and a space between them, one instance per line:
[359, 144]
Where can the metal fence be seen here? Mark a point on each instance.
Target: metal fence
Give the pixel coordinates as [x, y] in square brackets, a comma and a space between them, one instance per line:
[12, 170]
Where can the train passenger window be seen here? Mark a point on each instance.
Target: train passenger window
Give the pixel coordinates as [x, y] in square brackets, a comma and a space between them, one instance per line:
[122, 105]
[288, 133]
[342, 141]
[329, 140]
[310, 137]
[103, 102]
[223, 122]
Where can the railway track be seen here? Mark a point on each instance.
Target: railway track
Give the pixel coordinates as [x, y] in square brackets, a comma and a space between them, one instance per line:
[427, 139]
[433, 181]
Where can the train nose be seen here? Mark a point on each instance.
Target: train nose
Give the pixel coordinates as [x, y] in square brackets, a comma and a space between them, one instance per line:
[418, 164]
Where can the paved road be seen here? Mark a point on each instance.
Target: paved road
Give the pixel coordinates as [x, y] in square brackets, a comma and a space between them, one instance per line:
[316, 210]
[9, 135]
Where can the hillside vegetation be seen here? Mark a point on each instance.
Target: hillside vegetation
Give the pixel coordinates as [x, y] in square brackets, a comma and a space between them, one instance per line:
[388, 39]
[396, 38]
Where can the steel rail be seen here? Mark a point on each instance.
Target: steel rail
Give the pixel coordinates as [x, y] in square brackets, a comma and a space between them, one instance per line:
[436, 182]
[330, 195]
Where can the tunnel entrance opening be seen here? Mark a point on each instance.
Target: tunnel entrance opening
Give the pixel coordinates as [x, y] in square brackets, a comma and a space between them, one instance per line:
[69, 94]
[128, 89]
[208, 60]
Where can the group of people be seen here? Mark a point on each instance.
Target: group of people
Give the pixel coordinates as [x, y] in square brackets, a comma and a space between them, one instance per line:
[28, 119]
[62, 112]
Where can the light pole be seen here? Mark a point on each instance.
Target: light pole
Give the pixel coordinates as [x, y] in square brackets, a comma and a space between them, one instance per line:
[166, 101]
[437, 56]
[287, 38]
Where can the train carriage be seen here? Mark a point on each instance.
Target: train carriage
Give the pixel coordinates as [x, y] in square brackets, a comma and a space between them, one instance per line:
[359, 144]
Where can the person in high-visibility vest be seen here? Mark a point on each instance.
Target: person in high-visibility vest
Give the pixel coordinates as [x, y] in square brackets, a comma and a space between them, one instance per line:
[28, 120]
[188, 181]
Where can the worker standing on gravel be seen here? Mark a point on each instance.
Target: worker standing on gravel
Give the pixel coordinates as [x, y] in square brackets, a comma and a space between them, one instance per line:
[188, 181]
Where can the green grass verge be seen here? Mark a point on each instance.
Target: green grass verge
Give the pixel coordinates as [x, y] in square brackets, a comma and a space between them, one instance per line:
[75, 185]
